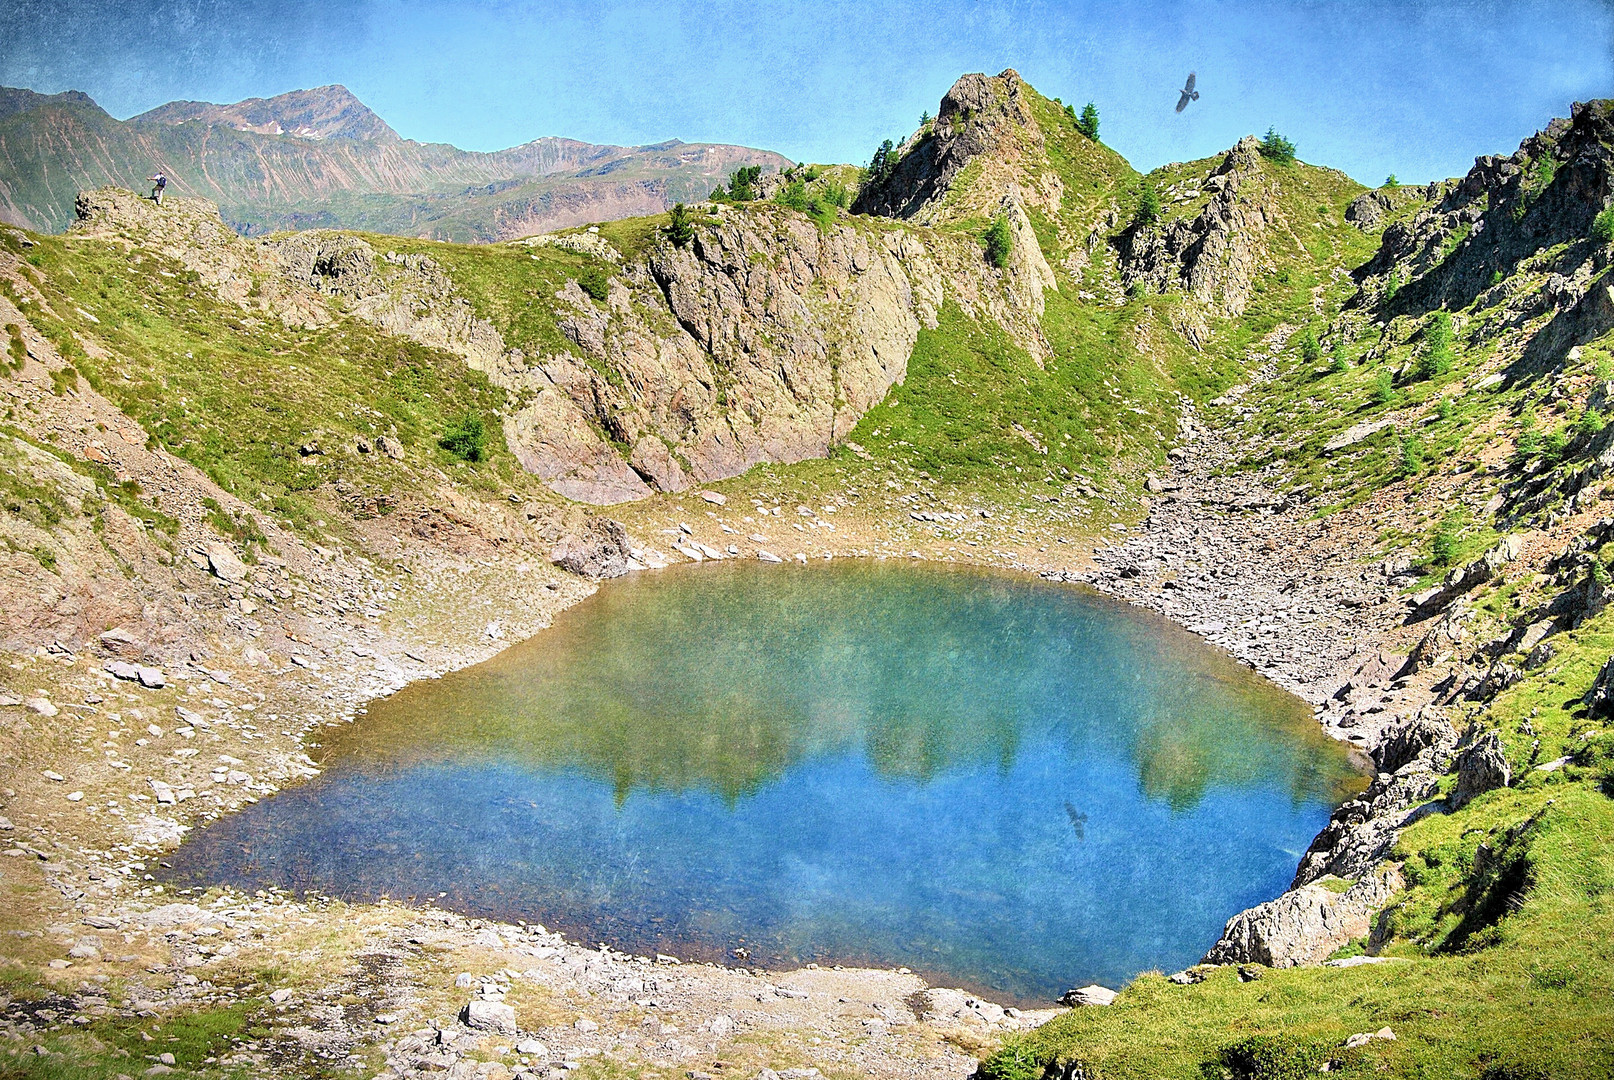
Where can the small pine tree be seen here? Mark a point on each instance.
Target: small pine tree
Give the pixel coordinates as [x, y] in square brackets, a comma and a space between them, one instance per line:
[1275, 147]
[1590, 423]
[1528, 442]
[1411, 456]
[925, 118]
[1148, 211]
[1311, 349]
[1443, 546]
[742, 182]
[680, 229]
[1342, 363]
[1383, 387]
[1436, 358]
[1087, 124]
[999, 241]
[1391, 182]
[883, 164]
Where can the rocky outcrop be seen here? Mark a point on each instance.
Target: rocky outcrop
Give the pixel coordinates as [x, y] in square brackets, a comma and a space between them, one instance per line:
[764, 339]
[1307, 924]
[1482, 766]
[1362, 830]
[601, 550]
[1215, 255]
[1600, 698]
[1425, 734]
[408, 295]
[1368, 210]
[1472, 575]
[1479, 238]
[981, 116]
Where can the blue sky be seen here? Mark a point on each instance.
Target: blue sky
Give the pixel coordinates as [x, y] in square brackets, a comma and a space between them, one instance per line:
[1369, 86]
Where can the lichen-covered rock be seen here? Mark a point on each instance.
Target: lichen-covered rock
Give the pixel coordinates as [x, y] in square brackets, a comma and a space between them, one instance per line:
[1425, 733]
[1481, 766]
[600, 551]
[1214, 256]
[1305, 925]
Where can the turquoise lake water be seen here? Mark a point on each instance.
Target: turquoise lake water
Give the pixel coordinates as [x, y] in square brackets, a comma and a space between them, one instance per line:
[1003, 784]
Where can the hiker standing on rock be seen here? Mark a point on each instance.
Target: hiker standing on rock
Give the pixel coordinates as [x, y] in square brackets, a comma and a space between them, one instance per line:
[158, 182]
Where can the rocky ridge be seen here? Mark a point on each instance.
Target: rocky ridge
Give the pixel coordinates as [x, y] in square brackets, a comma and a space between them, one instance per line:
[765, 339]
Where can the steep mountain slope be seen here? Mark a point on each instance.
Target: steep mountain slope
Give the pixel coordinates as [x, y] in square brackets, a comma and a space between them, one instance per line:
[333, 162]
[325, 112]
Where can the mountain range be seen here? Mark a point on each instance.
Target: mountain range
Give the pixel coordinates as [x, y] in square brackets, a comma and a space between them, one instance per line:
[322, 159]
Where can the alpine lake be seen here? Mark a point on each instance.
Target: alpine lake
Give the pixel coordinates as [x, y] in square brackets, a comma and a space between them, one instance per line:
[1003, 784]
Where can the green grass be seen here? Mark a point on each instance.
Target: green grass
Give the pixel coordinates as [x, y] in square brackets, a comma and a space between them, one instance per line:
[238, 393]
[107, 1048]
[975, 406]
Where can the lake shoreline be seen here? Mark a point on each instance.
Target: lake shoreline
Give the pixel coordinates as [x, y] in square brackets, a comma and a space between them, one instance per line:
[420, 640]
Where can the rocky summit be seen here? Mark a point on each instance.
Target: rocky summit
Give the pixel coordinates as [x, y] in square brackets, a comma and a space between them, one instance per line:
[1356, 438]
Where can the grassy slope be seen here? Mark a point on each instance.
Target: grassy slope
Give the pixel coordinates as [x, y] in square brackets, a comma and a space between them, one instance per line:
[1505, 965]
[238, 394]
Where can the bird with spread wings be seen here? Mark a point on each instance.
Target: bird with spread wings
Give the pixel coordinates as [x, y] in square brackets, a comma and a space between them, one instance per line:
[1188, 93]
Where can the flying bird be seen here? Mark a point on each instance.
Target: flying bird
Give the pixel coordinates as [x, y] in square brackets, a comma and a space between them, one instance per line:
[1188, 93]
[1078, 820]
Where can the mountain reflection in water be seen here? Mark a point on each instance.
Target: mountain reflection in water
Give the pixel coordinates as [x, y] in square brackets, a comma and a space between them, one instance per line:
[1002, 783]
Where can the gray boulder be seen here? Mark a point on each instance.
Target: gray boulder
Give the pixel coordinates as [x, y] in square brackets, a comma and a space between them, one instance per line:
[1089, 995]
[224, 564]
[1305, 925]
[494, 1016]
[599, 551]
[1481, 767]
[1412, 737]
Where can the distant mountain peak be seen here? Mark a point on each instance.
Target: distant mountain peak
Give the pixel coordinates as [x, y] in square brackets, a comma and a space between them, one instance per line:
[325, 112]
[14, 100]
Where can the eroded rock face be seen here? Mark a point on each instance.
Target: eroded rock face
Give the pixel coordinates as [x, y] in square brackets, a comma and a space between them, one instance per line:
[599, 551]
[1305, 925]
[1422, 736]
[764, 339]
[1362, 831]
[1215, 256]
[980, 114]
[1481, 766]
[1505, 211]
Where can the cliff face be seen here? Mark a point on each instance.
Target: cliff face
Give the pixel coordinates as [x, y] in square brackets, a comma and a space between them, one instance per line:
[980, 117]
[321, 159]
